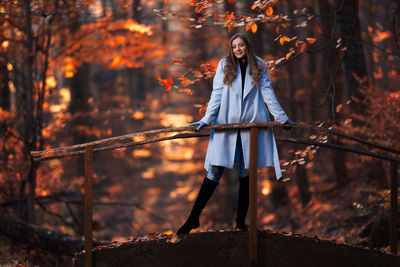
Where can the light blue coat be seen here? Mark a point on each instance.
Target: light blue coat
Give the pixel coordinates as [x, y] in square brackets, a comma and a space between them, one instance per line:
[226, 106]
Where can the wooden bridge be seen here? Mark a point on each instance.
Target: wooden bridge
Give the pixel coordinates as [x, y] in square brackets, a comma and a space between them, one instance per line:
[87, 149]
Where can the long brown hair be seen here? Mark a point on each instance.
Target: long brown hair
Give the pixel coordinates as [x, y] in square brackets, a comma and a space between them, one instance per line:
[232, 62]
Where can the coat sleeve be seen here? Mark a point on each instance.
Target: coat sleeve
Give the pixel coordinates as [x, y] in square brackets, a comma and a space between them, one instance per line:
[269, 97]
[216, 95]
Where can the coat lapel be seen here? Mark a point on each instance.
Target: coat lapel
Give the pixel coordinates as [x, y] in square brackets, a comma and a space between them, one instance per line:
[248, 82]
[237, 83]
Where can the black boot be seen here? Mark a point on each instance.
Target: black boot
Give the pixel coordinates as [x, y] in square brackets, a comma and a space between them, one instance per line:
[206, 191]
[243, 203]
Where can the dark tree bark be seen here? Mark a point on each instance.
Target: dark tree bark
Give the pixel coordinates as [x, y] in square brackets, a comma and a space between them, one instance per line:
[348, 23]
[136, 76]
[80, 108]
[5, 103]
[29, 129]
[339, 166]
[349, 28]
[228, 6]
[104, 7]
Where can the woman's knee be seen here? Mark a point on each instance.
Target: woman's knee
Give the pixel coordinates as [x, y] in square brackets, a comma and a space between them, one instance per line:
[215, 173]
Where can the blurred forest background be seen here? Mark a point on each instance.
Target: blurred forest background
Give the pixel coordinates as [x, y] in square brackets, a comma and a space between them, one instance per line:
[73, 71]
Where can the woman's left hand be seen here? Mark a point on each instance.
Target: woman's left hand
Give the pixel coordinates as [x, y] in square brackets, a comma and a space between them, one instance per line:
[286, 127]
[200, 124]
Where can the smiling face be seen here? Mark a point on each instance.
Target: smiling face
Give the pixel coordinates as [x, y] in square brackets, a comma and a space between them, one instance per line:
[239, 48]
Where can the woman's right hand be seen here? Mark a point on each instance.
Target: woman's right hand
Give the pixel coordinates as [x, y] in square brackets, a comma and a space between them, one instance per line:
[287, 126]
[200, 124]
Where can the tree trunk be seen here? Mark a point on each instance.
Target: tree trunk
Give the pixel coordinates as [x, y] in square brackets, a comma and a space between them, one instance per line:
[30, 133]
[104, 7]
[349, 27]
[228, 6]
[80, 108]
[339, 165]
[354, 65]
[136, 76]
[5, 103]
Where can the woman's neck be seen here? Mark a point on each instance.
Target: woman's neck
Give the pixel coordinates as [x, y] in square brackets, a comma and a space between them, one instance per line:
[243, 60]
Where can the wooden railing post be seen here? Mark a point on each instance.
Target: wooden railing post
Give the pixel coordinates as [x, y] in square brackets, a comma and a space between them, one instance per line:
[88, 205]
[253, 194]
[393, 208]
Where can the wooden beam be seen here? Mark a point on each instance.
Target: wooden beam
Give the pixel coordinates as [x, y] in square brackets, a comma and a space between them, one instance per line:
[88, 205]
[204, 133]
[253, 194]
[80, 147]
[393, 208]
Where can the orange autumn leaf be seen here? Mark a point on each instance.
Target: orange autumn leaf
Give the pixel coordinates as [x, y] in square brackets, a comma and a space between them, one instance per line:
[255, 4]
[347, 121]
[338, 108]
[297, 42]
[186, 82]
[311, 154]
[197, 74]
[229, 16]
[248, 26]
[303, 47]
[202, 110]
[179, 61]
[166, 82]
[288, 55]
[185, 90]
[277, 29]
[254, 28]
[216, 14]
[199, 8]
[284, 39]
[294, 168]
[311, 40]
[269, 11]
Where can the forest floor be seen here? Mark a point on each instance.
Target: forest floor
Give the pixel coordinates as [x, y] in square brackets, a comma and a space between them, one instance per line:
[18, 254]
[356, 213]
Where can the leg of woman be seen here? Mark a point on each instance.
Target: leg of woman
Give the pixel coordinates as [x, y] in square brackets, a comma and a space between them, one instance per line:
[207, 189]
[243, 199]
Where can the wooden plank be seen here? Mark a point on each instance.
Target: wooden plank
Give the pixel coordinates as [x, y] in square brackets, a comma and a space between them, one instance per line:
[88, 205]
[55, 151]
[191, 135]
[253, 194]
[154, 132]
[393, 208]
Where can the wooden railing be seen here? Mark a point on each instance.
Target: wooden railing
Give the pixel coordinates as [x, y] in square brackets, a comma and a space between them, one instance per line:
[87, 149]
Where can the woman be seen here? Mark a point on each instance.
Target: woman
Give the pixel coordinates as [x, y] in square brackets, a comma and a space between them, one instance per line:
[241, 88]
